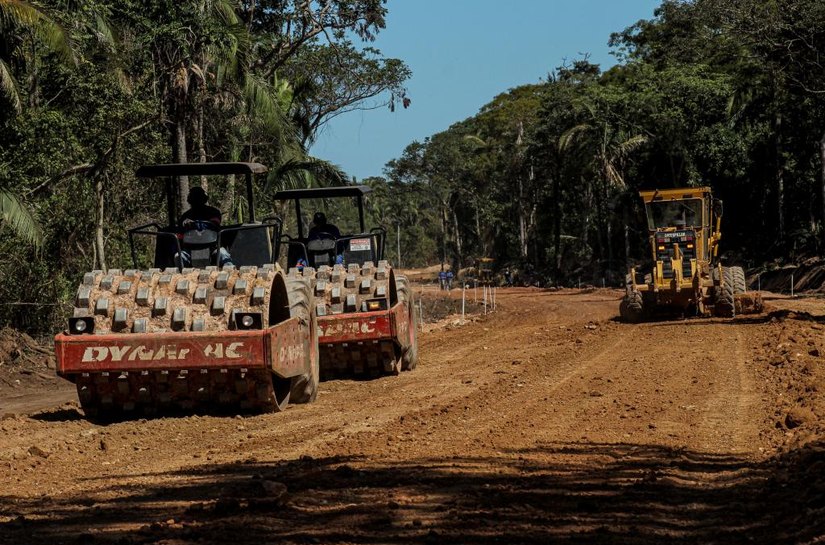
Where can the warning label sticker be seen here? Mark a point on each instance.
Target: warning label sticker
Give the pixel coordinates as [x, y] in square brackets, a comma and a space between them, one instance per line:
[360, 244]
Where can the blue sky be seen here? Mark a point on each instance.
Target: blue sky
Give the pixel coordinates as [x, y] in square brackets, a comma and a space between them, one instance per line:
[462, 53]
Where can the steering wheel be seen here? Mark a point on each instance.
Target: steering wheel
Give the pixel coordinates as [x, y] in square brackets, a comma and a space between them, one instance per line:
[199, 232]
[199, 225]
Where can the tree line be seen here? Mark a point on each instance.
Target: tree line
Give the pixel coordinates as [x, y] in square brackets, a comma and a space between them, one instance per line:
[92, 89]
[545, 178]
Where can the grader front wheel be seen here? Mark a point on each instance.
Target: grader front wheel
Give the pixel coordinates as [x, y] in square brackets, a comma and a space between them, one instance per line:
[631, 309]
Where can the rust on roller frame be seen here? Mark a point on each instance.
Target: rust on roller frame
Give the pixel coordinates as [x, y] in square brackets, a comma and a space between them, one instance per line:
[287, 348]
[280, 348]
[364, 326]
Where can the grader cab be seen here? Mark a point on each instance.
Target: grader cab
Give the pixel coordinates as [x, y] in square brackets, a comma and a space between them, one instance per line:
[686, 276]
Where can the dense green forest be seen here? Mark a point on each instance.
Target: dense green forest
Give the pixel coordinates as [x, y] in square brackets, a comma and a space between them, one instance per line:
[726, 93]
[92, 89]
[545, 178]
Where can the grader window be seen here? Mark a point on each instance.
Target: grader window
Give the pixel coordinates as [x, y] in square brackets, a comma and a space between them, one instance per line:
[682, 213]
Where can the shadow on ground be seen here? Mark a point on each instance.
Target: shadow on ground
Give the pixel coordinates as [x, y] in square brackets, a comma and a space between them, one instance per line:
[590, 493]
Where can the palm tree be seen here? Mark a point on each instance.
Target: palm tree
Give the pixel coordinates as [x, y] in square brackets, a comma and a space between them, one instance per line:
[14, 214]
[609, 147]
[16, 18]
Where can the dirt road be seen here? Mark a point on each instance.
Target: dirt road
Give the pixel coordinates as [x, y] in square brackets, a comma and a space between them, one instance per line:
[547, 421]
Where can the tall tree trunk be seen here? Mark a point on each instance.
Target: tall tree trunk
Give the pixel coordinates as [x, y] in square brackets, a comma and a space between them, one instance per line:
[180, 156]
[557, 228]
[481, 237]
[609, 230]
[598, 225]
[626, 220]
[457, 240]
[780, 179]
[34, 77]
[443, 235]
[100, 251]
[201, 146]
[522, 227]
[822, 178]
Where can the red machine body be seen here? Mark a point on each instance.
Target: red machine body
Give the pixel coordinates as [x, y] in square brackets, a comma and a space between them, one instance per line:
[280, 349]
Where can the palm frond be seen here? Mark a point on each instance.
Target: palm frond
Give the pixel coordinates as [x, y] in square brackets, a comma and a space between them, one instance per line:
[17, 12]
[571, 135]
[19, 219]
[9, 87]
[310, 172]
[473, 139]
[20, 13]
[225, 11]
[103, 30]
[267, 105]
[630, 145]
[614, 177]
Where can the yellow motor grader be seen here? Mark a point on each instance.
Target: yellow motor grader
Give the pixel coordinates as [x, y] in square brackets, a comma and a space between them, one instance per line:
[686, 276]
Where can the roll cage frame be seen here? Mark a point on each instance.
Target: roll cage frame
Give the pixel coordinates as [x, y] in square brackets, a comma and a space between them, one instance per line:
[359, 192]
[171, 172]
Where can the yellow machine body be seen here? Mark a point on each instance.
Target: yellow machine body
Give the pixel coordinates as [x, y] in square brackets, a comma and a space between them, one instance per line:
[684, 232]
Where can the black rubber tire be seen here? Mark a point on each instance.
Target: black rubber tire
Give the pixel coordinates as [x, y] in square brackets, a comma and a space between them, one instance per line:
[89, 403]
[304, 387]
[739, 283]
[724, 305]
[409, 354]
[631, 308]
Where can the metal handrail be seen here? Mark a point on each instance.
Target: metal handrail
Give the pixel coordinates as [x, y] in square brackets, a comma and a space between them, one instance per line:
[142, 230]
[382, 241]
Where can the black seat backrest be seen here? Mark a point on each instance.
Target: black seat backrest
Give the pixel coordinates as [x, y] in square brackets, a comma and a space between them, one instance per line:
[358, 249]
[321, 245]
[321, 252]
[249, 244]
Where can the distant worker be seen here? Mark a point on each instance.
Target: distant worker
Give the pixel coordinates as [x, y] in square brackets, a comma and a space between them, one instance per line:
[442, 280]
[449, 280]
[200, 216]
[508, 277]
[320, 227]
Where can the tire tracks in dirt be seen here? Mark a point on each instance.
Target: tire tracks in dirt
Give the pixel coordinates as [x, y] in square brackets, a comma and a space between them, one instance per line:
[522, 418]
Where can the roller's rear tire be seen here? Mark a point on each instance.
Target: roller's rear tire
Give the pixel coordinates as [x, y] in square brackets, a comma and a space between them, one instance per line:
[409, 353]
[304, 387]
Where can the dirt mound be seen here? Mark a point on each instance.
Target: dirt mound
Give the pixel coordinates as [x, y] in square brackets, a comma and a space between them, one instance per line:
[792, 362]
[438, 305]
[806, 277]
[24, 361]
[423, 274]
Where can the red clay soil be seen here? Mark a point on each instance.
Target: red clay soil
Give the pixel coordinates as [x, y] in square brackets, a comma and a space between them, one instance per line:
[548, 421]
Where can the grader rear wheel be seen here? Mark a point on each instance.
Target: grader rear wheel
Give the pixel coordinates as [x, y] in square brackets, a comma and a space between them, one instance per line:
[739, 282]
[724, 305]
